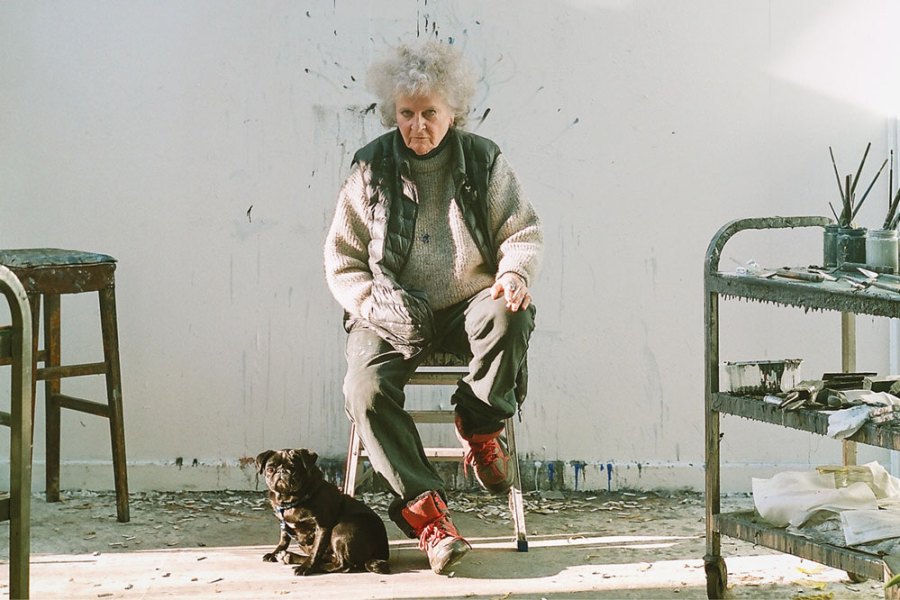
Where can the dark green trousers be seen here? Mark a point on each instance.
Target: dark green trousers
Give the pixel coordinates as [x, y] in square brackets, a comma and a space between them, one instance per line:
[497, 340]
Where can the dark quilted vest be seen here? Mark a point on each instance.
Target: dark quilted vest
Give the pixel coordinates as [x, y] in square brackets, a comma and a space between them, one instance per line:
[402, 317]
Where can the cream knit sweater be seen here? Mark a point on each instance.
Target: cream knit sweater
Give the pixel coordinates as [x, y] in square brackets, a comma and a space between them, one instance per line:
[444, 261]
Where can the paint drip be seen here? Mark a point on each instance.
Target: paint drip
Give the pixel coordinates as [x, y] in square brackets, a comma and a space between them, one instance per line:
[579, 470]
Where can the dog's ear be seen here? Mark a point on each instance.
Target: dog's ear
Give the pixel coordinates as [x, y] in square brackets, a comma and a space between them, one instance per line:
[262, 459]
[308, 458]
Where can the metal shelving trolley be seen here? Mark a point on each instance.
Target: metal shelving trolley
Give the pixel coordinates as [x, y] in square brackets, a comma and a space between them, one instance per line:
[826, 295]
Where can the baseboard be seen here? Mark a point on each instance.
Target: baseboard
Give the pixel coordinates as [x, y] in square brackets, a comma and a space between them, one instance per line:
[536, 475]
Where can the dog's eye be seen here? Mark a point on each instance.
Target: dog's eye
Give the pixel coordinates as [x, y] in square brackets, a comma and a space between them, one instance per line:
[269, 468]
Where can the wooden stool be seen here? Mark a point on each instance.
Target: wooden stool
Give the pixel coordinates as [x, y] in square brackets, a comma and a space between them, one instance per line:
[446, 369]
[15, 507]
[48, 273]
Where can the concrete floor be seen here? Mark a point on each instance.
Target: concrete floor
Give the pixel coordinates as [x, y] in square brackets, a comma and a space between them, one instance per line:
[580, 546]
[490, 572]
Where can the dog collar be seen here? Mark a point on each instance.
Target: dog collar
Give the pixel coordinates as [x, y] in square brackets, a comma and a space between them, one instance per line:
[283, 507]
[280, 510]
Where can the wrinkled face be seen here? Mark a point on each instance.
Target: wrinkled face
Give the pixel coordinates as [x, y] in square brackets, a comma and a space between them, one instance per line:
[281, 476]
[423, 121]
[288, 471]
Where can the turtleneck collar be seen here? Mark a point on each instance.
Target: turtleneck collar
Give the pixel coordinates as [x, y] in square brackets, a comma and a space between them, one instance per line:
[440, 148]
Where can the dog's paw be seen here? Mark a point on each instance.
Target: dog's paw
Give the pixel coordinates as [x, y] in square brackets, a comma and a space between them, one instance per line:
[378, 566]
[270, 557]
[303, 569]
[292, 558]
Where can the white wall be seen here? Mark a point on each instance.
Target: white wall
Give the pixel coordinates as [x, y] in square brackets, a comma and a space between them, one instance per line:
[148, 130]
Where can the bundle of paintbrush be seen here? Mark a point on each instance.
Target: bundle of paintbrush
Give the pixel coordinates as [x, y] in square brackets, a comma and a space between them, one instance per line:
[847, 190]
[893, 217]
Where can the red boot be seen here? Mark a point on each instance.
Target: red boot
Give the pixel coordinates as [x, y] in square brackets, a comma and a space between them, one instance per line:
[429, 520]
[486, 452]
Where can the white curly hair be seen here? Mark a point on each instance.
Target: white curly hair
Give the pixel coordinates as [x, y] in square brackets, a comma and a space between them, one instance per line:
[426, 68]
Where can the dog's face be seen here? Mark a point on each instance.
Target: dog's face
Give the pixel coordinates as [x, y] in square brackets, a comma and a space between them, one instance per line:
[289, 472]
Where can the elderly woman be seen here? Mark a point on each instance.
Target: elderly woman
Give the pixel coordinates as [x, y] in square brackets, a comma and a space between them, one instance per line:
[433, 247]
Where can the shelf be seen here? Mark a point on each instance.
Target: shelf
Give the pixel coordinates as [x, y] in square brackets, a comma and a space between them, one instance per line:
[803, 419]
[748, 527]
[827, 295]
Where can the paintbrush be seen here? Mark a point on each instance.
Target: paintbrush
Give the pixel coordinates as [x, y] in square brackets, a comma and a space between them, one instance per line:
[836, 219]
[892, 213]
[848, 204]
[859, 170]
[836, 176]
[868, 189]
[891, 221]
[893, 205]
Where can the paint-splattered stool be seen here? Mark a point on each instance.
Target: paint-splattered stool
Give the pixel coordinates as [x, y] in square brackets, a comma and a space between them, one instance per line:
[46, 274]
[445, 369]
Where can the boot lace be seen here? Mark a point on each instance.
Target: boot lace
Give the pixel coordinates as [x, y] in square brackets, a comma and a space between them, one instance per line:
[484, 454]
[434, 532]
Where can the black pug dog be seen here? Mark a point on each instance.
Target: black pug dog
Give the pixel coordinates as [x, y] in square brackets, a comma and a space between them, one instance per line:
[338, 533]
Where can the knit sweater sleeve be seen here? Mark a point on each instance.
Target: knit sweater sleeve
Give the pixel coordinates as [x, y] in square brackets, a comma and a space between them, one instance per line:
[517, 228]
[346, 247]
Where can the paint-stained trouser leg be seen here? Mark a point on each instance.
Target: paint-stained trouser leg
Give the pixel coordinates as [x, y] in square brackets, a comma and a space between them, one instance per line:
[374, 400]
[498, 341]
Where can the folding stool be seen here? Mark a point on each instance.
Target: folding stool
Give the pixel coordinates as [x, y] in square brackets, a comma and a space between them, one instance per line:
[445, 369]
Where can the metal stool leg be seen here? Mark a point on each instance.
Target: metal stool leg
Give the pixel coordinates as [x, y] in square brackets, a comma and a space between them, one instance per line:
[114, 397]
[352, 479]
[516, 503]
[352, 462]
[17, 506]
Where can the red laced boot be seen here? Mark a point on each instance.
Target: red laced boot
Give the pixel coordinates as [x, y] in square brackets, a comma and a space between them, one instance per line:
[429, 520]
[487, 454]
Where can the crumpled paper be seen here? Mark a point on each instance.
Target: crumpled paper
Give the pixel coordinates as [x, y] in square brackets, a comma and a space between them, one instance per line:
[864, 526]
[846, 422]
[878, 406]
[852, 397]
[867, 526]
[792, 497]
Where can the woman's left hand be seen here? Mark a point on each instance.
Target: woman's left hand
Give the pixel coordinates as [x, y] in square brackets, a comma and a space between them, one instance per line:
[513, 289]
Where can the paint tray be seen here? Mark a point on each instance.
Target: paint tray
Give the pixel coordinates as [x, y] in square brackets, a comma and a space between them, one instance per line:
[763, 376]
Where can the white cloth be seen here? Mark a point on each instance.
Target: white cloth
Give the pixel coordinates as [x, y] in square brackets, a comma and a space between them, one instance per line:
[792, 497]
[885, 485]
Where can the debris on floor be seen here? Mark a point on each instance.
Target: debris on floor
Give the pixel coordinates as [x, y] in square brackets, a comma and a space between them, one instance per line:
[624, 544]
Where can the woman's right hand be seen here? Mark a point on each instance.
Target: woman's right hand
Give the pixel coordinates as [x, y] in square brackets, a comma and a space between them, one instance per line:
[513, 289]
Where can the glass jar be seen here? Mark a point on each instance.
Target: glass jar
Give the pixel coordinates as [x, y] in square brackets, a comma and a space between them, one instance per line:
[881, 249]
[851, 245]
[829, 246]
